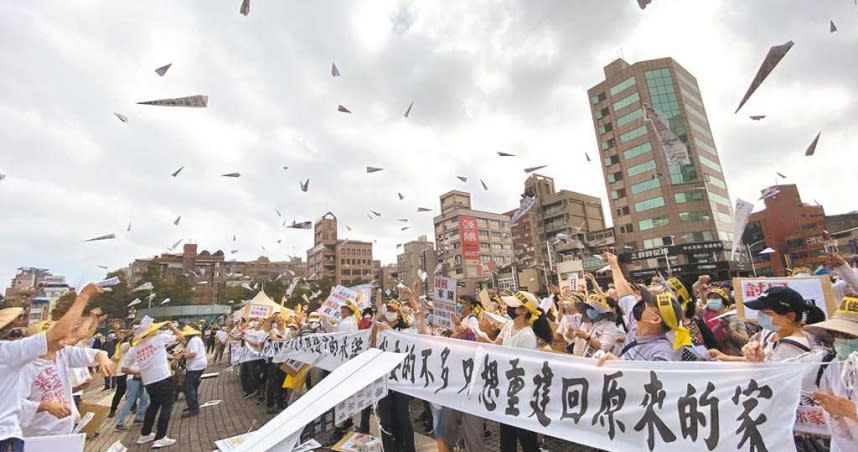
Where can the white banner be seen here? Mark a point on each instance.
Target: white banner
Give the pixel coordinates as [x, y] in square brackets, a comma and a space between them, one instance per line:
[239, 353]
[742, 211]
[335, 301]
[444, 301]
[815, 290]
[325, 350]
[624, 405]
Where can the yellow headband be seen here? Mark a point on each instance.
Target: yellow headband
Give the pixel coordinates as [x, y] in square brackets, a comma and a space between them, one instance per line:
[848, 306]
[668, 315]
[720, 292]
[599, 299]
[681, 291]
[535, 313]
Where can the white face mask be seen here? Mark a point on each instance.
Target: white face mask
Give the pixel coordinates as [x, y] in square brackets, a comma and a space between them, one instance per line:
[390, 316]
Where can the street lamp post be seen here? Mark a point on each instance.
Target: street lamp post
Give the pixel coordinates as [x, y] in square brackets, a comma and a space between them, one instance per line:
[751, 256]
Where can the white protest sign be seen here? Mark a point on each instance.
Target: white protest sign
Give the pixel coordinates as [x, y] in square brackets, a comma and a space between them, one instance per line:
[283, 431]
[335, 301]
[366, 397]
[815, 290]
[624, 405]
[65, 443]
[444, 301]
[325, 350]
[364, 297]
[258, 311]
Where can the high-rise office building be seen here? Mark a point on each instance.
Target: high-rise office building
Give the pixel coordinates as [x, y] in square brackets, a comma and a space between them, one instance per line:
[348, 262]
[660, 208]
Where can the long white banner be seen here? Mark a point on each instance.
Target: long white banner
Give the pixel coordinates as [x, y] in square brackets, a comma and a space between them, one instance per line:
[325, 350]
[669, 406]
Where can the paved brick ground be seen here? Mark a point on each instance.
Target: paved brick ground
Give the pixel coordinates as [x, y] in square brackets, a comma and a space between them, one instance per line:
[235, 416]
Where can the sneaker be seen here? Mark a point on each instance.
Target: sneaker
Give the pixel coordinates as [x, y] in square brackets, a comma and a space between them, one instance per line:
[188, 414]
[121, 428]
[143, 439]
[163, 442]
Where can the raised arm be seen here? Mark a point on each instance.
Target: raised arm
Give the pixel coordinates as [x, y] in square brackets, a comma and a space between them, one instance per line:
[620, 282]
[64, 328]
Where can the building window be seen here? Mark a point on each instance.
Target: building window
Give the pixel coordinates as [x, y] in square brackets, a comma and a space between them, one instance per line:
[712, 180]
[687, 95]
[605, 128]
[724, 218]
[622, 211]
[689, 217]
[652, 223]
[622, 86]
[626, 101]
[597, 98]
[612, 160]
[688, 196]
[608, 144]
[626, 229]
[618, 193]
[641, 187]
[704, 146]
[641, 168]
[691, 83]
[635, 151]
[701, 236]
[630, 117]
[680, 174]
[484, 234]
[613, 177]
[709, 163]
[632, 134]
[700, 129]
[481, 222]
[648, 204]
[693, 111]
[485, 246]
[719, 199]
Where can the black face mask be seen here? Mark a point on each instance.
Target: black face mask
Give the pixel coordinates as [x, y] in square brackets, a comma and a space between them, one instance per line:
[512, 312]
[638, 309]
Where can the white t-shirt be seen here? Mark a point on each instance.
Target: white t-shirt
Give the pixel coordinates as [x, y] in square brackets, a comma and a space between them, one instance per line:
[198, 362]
[569, 322]
[347, 325]
[52, 382]
[604, 330]
[221, 336]
[151, 356]
[256, 337]
[844, 431]
[473, 324]
[523, 338]
[14, 383]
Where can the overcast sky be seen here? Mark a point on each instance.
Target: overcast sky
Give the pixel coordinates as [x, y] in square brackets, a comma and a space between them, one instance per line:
[485, 76]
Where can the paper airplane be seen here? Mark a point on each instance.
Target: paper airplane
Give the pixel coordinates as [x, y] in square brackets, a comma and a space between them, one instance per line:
[423, 209]
[233, 251]
[103, 266]
[402, 219]
[400, 196]
[135, 302]
[128, 229]
[197, 101]
[375, 213]
[102, 237]
[421, 274]
[210, 402]
[644, 3]
[775, 55]
[372, 169]
[587, 156]
[462, 178]
[176, 222]
[233, 237]
[121, 117]
[334, 71]
[278, 213]
[408, 111]
[405, 228]
[166, 300]
[302, 225]
[399, 245]
[305, 185]
[176, 173]
[245, 7]
[342, 109]
[485, 187]
[176, 244]
[144, 286]
[504, 154]
[280, 240]
[163, 70]
[349, 228]
[812, 148]
[757, 117]
[109, 282]
[779, 174]
[534, 168]
[438, 269]
[831, 27]
[231, 175]
[285, 167]
[370, 216]
[2, 176]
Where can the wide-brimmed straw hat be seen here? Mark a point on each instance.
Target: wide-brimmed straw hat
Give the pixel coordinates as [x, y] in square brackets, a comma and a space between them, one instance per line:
[146, 332]
[844, 320]
[9, 315]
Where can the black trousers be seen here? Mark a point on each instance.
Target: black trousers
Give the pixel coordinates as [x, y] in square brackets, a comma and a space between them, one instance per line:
[275, 394]
[509, 435]
[249, 375]
[394, 418]
[121, 386]
[161, 396]
[191, 388]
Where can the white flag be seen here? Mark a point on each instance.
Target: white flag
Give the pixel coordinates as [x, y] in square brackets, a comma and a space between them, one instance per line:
[743, 210]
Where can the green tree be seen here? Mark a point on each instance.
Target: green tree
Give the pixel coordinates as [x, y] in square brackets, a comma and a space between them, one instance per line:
[62, 305]
[115, 302]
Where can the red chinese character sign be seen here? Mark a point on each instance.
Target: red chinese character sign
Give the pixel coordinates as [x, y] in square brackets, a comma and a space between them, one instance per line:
[470, 237]
[444, 301]
[814, 289]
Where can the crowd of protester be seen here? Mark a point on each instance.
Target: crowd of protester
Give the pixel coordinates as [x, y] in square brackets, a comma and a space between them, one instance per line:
[661, 320]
